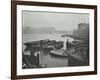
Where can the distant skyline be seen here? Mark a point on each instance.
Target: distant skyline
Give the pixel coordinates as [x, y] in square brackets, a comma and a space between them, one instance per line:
[59, 21]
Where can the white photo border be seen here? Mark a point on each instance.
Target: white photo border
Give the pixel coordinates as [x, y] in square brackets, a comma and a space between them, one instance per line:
[21, 71]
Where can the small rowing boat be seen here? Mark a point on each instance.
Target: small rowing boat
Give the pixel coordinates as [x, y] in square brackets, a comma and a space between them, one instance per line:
[60, 53]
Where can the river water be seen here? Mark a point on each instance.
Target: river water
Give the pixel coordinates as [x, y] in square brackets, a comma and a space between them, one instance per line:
[46, 59]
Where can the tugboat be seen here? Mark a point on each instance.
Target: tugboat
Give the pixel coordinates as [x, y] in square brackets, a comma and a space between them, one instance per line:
[78, 55]
[76, 60]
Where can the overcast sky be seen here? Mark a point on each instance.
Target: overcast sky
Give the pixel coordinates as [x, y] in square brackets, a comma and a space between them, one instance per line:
[60, 21]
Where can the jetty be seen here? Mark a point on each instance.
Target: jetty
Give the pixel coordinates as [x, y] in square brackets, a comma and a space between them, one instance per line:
[38, 48]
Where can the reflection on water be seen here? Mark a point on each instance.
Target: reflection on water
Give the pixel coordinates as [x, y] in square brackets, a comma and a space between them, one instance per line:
[53, 61]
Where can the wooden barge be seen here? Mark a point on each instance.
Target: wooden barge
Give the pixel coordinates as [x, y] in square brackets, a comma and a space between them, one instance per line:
[44, 44]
